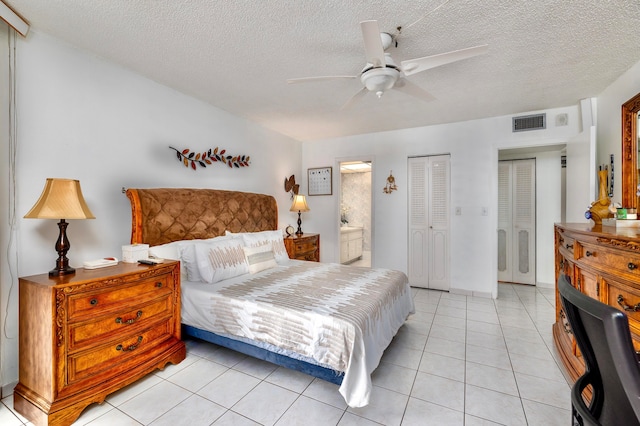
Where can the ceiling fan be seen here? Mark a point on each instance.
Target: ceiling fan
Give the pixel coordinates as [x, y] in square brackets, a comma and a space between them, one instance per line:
[381, 73]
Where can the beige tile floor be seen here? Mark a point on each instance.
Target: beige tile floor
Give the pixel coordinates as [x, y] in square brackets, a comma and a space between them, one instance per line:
[458, 361]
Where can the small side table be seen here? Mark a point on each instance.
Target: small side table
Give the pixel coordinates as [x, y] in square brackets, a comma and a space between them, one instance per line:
[303, 247]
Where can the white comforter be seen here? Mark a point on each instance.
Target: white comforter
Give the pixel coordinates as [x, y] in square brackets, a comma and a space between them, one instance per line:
[339, 316]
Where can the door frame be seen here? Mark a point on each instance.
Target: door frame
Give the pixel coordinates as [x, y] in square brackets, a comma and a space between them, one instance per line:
[338, 161]
[510, 242]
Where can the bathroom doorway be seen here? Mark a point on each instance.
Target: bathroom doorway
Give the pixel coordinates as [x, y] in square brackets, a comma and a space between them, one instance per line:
[355, 212]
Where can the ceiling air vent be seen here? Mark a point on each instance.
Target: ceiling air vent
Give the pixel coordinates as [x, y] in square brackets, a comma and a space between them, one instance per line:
[529, 122]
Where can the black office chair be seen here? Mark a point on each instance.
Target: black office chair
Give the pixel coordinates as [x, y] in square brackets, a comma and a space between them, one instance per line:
[611, 367]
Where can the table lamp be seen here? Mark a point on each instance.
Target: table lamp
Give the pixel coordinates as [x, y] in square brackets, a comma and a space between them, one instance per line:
[299, 205]
[61, 199]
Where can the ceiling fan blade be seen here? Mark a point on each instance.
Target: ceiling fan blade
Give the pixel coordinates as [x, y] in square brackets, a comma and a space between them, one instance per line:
[373, 43]
[355, 98]
[407, 87]
[320, 78]
[412, 66]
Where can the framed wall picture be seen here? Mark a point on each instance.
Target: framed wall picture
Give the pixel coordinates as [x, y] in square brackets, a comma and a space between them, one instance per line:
[320, 181]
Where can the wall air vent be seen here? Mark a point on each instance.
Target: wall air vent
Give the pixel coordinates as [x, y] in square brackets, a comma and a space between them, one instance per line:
[529, 122]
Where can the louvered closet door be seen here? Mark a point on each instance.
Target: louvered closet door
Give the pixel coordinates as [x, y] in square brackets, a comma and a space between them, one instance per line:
[505, 223]
[429, 222]
[517, 221]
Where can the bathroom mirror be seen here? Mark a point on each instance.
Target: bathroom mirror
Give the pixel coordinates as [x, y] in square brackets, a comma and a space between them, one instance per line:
[630, 156]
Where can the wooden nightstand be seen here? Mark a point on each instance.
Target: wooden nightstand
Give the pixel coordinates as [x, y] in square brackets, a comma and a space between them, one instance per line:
[86, 335]
[303, 247]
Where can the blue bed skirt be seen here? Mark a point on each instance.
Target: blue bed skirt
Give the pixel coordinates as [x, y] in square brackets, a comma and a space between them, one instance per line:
[248, 349]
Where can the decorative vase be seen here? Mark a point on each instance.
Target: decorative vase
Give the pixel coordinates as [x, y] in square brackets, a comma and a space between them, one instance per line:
[600, 208]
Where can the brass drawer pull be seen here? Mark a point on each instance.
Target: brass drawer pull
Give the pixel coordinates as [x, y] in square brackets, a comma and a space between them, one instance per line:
[589, 253]
[569, 246]
[631, 266]
[93, 302]
[159, 284]
[130, 347]
[119, 320]
[626, 307]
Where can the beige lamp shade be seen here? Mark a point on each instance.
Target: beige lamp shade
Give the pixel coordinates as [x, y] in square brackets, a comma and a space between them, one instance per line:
[60, 199]
[299, 204]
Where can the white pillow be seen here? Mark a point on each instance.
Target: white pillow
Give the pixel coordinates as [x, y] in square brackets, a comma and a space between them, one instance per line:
[273, 239]
[165, 251]
[260, 258]
[170, 251]
[221, 259]
[187, 253]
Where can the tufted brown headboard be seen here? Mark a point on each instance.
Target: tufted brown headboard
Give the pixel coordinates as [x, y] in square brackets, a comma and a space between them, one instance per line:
[163, 215]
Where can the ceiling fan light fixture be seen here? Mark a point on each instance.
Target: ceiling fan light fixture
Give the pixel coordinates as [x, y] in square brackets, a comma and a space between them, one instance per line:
[379, 80]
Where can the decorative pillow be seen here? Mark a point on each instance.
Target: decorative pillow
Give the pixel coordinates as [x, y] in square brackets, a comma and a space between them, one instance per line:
[187, 255]
[260, 258]
[221, 259]
[273, 239]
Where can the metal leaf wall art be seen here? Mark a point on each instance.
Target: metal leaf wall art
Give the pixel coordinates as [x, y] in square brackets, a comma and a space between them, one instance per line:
[194, 159]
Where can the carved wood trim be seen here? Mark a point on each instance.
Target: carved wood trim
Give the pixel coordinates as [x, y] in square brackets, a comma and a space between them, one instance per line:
[629, 158]
[630, 245]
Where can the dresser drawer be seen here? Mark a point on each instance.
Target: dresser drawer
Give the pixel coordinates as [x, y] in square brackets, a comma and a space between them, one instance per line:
[96, 330]
[310, 256]
[306, 245]
[110, 358]
[566, 245]
[627, 299]
[105, 299]
[607, 259]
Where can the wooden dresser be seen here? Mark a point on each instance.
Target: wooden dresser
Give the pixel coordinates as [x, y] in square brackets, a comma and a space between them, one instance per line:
[604, 263]
[86, 335]
[303, 247]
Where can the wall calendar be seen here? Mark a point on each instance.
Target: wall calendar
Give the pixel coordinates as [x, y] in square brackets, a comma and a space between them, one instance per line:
[320, 181]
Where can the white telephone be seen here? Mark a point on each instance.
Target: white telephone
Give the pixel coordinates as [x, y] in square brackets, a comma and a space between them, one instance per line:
[100, 263]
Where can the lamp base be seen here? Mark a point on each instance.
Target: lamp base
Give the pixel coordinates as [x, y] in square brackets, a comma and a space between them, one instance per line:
[62, 247]
[299, 231]
[63, 271]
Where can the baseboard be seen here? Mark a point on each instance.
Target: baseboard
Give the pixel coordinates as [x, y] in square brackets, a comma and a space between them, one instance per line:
[7, 390]
[483, 294]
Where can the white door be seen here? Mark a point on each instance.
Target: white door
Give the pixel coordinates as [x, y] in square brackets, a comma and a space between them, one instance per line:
[517, 221]
[429, 219]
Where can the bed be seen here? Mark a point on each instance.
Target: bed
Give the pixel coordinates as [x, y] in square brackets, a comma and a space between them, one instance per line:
[328, 320]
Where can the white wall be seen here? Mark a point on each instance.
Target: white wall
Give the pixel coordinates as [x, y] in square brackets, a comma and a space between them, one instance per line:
[83, 118]
[473, 146]
[7, 265]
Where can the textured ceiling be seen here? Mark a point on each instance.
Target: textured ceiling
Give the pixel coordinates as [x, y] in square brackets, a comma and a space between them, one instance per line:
[237, 55]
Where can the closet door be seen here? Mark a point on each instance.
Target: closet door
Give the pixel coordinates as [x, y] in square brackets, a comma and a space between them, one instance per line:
[429, 222]
[505, 223]
[517, 221]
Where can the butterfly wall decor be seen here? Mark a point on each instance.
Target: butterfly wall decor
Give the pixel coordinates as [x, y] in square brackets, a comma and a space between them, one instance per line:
[291, 186]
